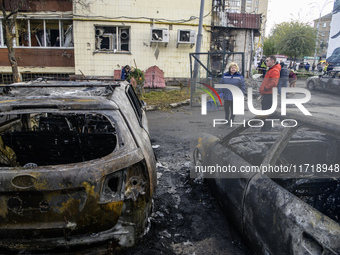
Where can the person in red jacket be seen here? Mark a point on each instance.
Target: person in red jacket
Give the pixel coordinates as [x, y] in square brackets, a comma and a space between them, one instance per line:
[270, 81]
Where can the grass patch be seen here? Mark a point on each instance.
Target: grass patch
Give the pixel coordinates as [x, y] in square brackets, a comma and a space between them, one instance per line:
[166, 97]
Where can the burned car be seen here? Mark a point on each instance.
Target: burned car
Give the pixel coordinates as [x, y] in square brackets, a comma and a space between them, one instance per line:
[328, 82]
[281, 188]
[76, 166]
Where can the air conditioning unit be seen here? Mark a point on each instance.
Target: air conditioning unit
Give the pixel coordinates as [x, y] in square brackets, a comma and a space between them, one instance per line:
[186, 36]
[159, 35]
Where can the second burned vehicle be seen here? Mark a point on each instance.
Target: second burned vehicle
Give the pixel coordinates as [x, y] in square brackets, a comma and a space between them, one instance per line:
[329, 82]
[76, 166]
[280, 188]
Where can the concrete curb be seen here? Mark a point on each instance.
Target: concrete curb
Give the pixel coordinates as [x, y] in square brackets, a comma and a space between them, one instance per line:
[173, 105]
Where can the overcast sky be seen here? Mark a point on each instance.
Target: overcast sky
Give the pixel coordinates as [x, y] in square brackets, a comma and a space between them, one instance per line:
[301, 10]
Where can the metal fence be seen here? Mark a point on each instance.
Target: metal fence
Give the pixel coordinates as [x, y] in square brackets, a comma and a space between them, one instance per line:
[7, 78]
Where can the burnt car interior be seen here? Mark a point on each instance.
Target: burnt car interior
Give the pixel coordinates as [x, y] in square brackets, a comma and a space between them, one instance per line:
[306, 146]
[54, 138]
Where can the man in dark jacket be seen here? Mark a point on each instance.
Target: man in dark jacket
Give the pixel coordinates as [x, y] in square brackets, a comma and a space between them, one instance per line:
[125, 72]
[284, 75]
[270, 81]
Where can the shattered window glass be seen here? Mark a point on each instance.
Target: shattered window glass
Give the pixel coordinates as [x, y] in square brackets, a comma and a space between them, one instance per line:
[42, 33]
[112, 38]
[22, 32]
[66, 33]
[37, 33]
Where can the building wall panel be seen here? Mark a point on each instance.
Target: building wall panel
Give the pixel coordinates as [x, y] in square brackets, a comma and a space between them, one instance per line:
[141, 16]
[40, 57]
[40, 5]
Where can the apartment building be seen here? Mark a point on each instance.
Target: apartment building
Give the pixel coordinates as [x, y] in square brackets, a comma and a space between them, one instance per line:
[43, 40]
[138, 33]
[249, 6]
[323, 25]
[99, 37]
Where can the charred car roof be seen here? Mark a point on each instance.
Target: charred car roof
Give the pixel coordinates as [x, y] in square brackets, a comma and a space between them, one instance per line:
[62, 95]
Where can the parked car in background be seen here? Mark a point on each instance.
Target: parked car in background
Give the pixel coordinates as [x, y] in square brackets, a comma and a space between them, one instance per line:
[296, 211]
[76, 166]
[330, 81]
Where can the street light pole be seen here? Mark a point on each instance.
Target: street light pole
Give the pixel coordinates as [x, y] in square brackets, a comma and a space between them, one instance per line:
[318, 25]
[197, 51]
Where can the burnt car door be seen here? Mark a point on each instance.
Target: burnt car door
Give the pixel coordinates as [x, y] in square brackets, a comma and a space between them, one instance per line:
[142, 136]
[331, 82]
[336, 80]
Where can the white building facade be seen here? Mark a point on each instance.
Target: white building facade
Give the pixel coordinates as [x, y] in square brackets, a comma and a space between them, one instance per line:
[111, 34]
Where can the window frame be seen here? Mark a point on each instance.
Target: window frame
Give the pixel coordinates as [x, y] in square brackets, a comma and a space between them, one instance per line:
[2, 43]
[116, 42]
[43, 42]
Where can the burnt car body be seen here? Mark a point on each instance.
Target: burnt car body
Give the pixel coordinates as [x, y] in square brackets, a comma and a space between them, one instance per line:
[279, 213]
[77, 165]
[329, 82]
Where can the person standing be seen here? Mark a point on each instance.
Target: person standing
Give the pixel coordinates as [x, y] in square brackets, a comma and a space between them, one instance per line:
[284, 75]
[294, 66]
[263, 68]
[125, 72]
[292, 79]
[301, 66]
[232, 77]
[270, 81]
[329, 68]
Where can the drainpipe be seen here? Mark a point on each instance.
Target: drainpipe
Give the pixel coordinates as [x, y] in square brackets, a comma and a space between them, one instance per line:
[251, 52]
[198, 50]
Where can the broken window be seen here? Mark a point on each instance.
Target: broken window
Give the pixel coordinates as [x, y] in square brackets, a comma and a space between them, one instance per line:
[135, 102]
[42, 33]
[53, 138]
[112, 38]
[37, 35]
[22, 33]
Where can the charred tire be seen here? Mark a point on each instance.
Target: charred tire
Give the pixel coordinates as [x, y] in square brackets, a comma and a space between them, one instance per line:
[197, 157]
[311, 85]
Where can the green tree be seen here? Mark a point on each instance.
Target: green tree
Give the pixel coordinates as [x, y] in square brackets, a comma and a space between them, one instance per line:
[10, 10]
[294, 39]
[269, 46]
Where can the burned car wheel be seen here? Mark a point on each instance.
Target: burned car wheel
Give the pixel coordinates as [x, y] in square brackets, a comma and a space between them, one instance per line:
[76, 166]
[311, 85]
[197, 157]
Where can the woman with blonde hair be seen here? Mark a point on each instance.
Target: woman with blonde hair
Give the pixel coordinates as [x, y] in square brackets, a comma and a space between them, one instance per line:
[232, 77]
